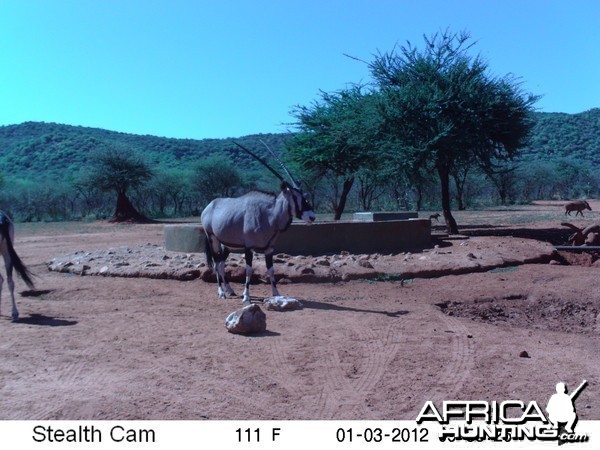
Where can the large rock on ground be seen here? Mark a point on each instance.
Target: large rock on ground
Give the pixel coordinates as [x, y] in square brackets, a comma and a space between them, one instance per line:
[249, 319]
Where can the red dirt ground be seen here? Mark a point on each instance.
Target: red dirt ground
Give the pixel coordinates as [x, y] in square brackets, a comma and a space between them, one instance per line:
[100, 347]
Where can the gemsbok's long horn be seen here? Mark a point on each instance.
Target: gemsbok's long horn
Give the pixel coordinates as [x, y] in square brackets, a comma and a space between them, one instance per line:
[260, 160]
[295, 182]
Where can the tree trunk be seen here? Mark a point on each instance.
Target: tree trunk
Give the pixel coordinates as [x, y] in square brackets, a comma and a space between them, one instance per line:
[126, 212]
[459, 196]
[502, 194]
[459, 182]
[419, 205]
[445, 185]
[342, 203]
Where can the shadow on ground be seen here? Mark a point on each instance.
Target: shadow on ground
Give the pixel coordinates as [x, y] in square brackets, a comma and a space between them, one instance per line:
[42, 320]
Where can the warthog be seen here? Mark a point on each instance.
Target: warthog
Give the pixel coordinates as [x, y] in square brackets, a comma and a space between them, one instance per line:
[578, 205]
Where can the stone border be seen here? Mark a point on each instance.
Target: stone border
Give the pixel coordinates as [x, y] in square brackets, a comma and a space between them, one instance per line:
[153, 261]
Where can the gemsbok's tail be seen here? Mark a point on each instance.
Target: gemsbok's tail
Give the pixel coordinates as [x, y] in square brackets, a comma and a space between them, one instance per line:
[16, 262]
[210, 259]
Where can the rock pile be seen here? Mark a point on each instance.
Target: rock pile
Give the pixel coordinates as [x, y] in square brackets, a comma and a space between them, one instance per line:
[452, 258]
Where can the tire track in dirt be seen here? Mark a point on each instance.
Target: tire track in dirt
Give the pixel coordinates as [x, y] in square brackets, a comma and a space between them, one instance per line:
[47, 412]
[386, 349]
[456, 372]
[65, 379]
[354, 370]
[76, 384]
[344, 395]
[241, 406]
[298, 382]
[324, 396]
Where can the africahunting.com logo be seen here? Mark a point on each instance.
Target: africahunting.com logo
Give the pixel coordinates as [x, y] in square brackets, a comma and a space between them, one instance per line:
[509, 420]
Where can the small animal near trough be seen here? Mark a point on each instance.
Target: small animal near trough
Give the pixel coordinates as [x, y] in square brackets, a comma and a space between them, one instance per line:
[358, 237]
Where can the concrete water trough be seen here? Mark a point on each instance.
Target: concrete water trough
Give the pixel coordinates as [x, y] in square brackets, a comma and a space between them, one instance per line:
[356, 237]
[369, 216]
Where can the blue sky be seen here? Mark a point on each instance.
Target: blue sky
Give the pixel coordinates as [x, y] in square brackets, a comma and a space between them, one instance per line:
[225, 68]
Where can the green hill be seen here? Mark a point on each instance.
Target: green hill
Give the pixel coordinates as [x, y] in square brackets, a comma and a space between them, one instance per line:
[44, 165]
[35, 149]
[38, 149]
[559, 135]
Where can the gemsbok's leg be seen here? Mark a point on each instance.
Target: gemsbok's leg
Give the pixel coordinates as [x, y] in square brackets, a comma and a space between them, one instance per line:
[225, 289]
[271, 273]
[11, 286]
[219, 255]
[218, 270]
[1, 283]
[246, 295]
[214, 257]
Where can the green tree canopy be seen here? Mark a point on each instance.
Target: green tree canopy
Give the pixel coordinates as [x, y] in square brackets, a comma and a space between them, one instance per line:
[337, 137]
[215, 176]
[120, 170]
[442, 109]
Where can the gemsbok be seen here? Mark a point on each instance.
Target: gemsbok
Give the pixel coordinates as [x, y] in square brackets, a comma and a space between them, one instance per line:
[11, 260]
[252, 223]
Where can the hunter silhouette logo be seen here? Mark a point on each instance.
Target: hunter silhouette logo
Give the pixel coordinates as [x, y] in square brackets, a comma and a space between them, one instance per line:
[561, 409]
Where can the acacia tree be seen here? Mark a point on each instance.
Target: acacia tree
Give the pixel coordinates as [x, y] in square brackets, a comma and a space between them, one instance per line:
[337, 138]
[442, 110]
[215, 176]
[120, 170]
[170, 187]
